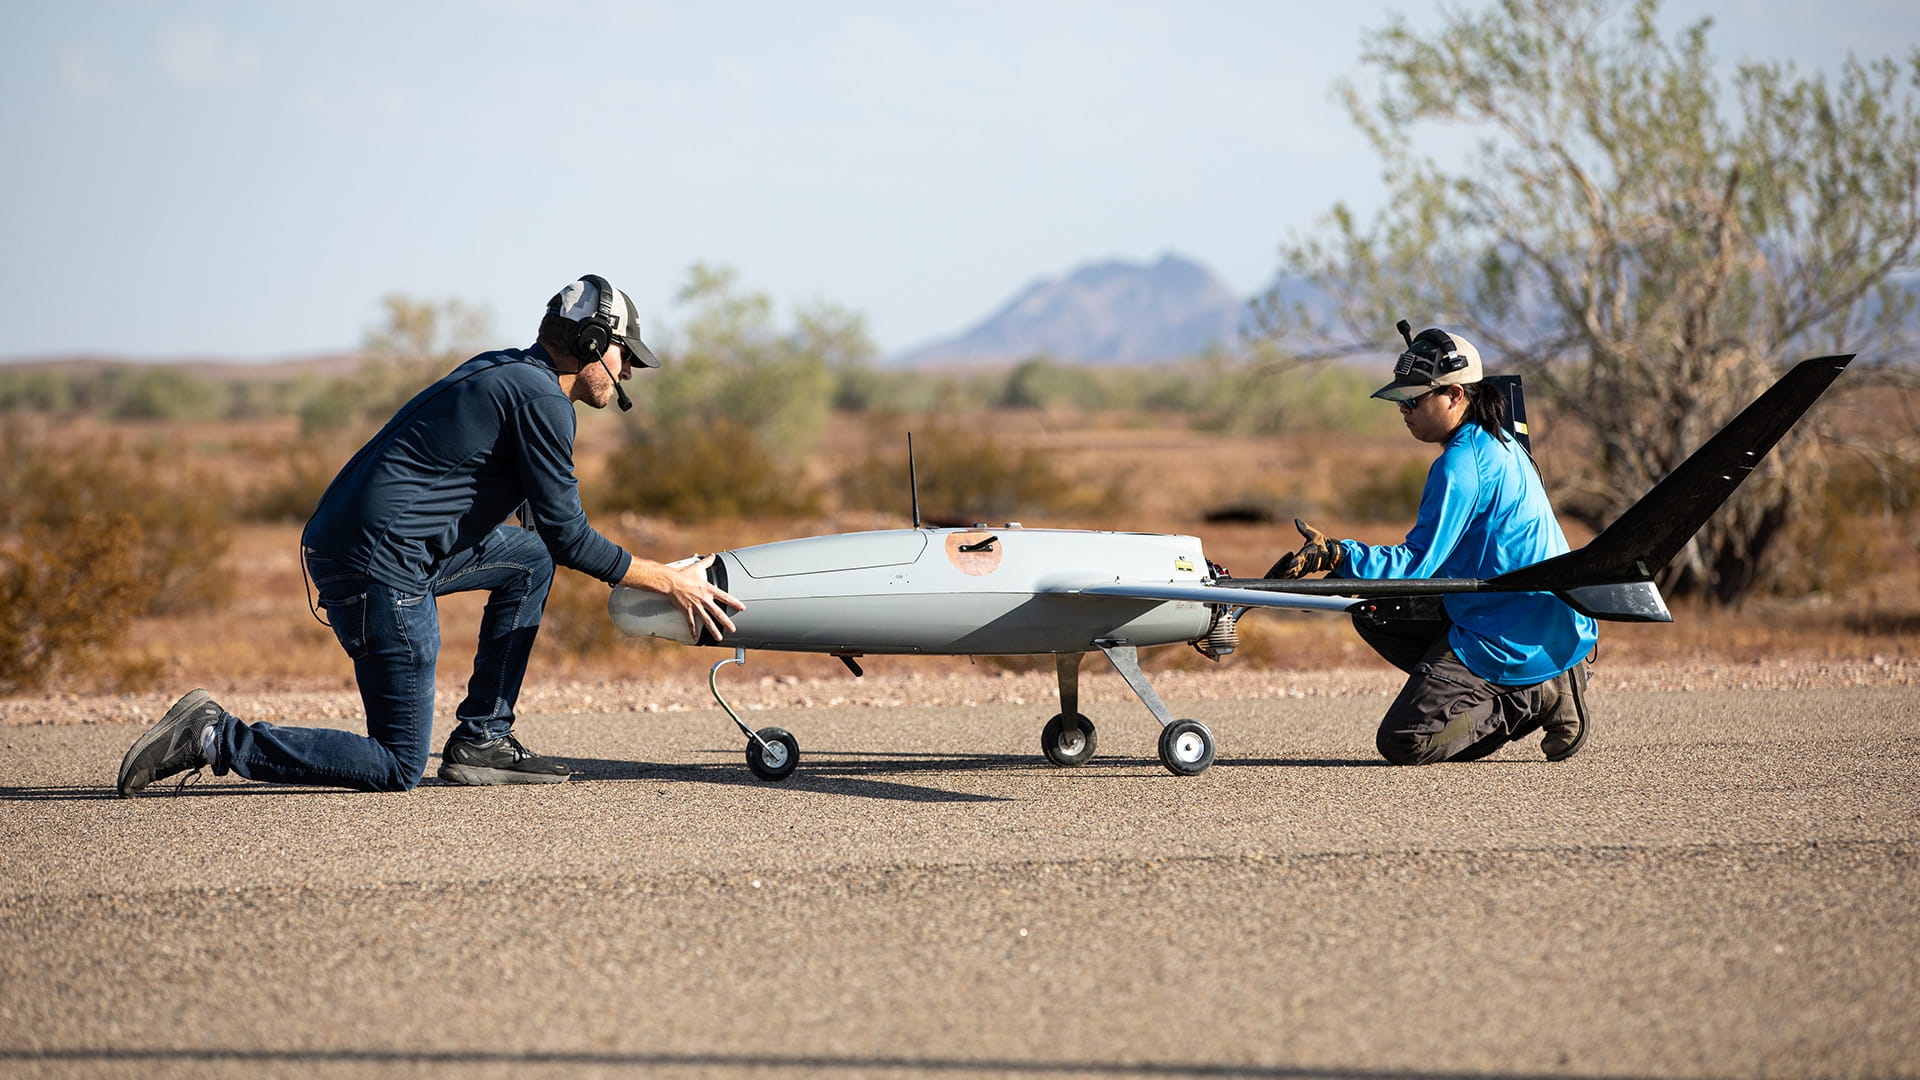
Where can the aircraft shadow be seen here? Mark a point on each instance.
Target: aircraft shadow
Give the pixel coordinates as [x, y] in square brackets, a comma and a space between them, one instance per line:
[859, 774]
[1300, 763]
[743, 1063]
[844, 773]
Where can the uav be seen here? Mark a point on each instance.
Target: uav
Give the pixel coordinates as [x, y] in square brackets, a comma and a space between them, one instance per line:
[1006, 590]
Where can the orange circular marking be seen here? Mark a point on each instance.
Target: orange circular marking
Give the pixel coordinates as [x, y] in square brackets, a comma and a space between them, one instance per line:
[980, 562]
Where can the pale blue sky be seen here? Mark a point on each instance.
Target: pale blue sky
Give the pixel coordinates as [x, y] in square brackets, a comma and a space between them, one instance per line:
[248, 179]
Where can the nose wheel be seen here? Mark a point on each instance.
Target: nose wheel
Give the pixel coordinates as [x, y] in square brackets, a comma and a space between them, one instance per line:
[1186, 747]
[772, 753]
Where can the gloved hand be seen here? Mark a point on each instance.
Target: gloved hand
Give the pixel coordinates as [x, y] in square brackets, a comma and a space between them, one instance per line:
[1317, 554]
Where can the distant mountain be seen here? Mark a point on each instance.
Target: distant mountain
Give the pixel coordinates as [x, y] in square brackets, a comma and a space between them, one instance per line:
[1108, 313]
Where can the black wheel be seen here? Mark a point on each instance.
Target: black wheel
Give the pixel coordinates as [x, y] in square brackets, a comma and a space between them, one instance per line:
[777, 760]
[1186, 747]
[1068, 746]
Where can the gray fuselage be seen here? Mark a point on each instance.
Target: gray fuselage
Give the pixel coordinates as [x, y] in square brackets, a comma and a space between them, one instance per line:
[985, 590]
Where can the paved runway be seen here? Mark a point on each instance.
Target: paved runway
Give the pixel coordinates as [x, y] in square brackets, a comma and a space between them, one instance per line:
[1724, 884]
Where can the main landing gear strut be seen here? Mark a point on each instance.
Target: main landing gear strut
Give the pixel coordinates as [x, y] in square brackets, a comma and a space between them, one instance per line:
[1186, 746]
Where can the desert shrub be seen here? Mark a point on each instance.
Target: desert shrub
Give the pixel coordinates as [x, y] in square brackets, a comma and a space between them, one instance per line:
[38, 390]
[417, 343]
[1257, 395]
[575, 625]
[68, 591]
[1042, 382]
[1851, 530]
[966, 475]
[164, 394]
[861, 389]
[691, 469]
[292, 489]
[728, 421]
[1386, 492]
[93, 536]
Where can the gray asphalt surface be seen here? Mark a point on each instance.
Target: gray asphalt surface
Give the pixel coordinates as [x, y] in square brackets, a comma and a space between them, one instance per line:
[1723, 884]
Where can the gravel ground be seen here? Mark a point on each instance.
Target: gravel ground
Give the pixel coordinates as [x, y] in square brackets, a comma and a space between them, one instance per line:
[901, 686]
[1724, 883]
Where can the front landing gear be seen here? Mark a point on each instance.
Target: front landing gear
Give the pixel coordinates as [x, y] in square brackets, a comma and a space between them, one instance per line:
[772, 753]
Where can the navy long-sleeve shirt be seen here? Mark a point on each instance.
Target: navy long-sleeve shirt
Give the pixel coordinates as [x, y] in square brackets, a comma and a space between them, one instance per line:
[452, 465]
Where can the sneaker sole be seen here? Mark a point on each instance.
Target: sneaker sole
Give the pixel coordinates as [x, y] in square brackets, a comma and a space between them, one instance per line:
[480, 776]
[184, 707]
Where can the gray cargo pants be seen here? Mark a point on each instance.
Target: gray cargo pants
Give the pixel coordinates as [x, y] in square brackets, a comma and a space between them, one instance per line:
[1444, 712]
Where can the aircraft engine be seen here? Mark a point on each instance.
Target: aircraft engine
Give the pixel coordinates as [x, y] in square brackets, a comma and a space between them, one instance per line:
[1223, 634]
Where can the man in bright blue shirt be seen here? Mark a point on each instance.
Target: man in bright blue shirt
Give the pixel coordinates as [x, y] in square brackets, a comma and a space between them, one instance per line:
[421, 511]
[1483, 669]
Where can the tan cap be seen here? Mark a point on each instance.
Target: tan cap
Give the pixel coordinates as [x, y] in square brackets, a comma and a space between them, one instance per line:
[1436, 358]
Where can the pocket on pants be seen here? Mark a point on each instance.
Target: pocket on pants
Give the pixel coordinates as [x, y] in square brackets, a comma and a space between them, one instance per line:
[349, 619]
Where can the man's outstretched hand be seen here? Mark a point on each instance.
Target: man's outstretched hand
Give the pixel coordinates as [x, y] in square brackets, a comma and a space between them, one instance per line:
[685, 584]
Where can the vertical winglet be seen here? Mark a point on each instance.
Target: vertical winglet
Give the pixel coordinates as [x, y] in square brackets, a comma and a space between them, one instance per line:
[1648, 534]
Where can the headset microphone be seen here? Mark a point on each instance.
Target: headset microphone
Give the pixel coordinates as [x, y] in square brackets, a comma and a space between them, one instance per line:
[620, 392]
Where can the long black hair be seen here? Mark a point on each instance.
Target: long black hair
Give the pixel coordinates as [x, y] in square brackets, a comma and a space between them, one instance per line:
[1486, 408]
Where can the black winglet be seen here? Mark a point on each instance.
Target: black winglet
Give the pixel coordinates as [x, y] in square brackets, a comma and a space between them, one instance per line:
[1643, 539]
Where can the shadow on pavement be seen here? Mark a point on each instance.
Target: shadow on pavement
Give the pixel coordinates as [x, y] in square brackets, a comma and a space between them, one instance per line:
[858, 774]
[745, 1063]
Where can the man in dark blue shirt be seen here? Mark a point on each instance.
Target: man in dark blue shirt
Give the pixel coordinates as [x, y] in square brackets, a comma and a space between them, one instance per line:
[421, 511]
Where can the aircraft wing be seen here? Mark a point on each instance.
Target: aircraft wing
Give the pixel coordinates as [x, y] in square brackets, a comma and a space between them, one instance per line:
[1626, 602]
[1205, 594]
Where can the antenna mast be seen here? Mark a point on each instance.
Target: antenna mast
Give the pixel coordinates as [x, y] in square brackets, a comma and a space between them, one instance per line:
[913, 481]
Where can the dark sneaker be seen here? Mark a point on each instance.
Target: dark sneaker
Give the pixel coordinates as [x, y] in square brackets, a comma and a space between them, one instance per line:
[497, 761]
[172, 746]
[1565, 716]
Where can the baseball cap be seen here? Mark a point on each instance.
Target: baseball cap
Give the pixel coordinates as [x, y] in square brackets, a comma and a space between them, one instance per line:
[580, 300]
[1436, 358]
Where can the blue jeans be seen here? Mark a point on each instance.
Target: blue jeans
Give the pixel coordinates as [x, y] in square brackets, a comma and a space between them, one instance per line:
[393, 638]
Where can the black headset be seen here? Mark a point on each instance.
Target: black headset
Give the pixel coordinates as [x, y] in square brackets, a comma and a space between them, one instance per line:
[1432, 351]
[593, 334]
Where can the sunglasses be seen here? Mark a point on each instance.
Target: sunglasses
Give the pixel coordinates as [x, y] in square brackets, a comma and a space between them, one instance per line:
[1413, 402]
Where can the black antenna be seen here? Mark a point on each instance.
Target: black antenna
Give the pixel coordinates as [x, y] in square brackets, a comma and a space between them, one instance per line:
[1406, 331]
[913, 481]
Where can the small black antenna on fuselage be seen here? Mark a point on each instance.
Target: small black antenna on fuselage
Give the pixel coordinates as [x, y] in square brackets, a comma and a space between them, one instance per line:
[913, 481]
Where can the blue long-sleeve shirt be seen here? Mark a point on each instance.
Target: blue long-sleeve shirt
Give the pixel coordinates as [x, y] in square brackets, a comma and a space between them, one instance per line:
[1483, 513]
[452, 465]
